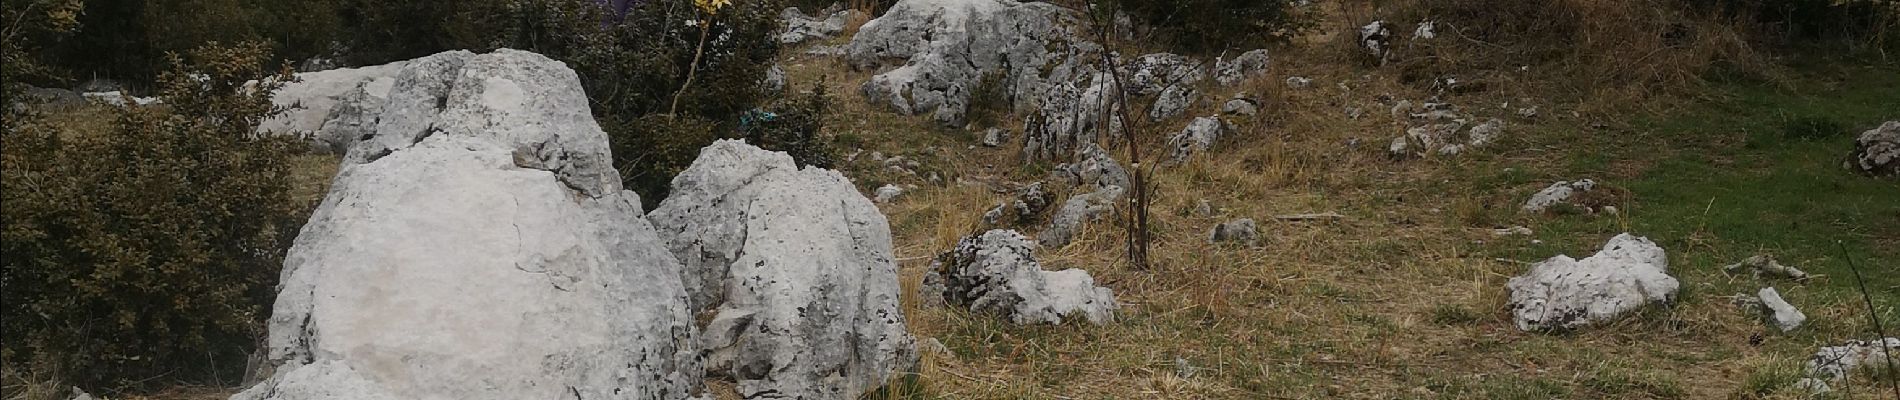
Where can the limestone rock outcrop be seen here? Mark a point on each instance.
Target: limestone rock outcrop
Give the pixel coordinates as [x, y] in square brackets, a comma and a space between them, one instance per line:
[797, 270]
[484, 250]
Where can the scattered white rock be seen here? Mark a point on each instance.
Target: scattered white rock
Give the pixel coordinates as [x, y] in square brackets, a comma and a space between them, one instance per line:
[1784, 315]
[1513, 230]
[1239, 230]
[1093, 166]
[1376, 39]
[1299, 82]
[1563, 293]
[335, 107]
[1199, 136]
[1075, 212]
[797, 269]
[1426, 30]
[119, 99]
[997, 272]
[1204, 208]
[538, 280]
[800, 28]
[949, 45]
[888, 192]
[1527, 112]
[1240, 106]
[1836, 362]
[1172, 102]
[994, 137]
[1763, 265]
[1152, 74]
[1248, 65]
[1558, 193]
[1445, 139]
[1877, 151]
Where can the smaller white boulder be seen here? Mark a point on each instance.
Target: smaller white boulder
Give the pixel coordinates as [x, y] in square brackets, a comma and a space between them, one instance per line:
[1564, 293]
[1557, 193]
[997, 272]
[1835, 362]
[888, 192]
[1877, 151]
[1239, 230]
[1199, 136]
[1777, 310]
[1243, 67]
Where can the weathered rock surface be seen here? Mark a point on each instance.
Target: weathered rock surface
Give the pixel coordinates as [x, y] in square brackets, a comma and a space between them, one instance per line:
[1240, 106]
[1763, 265]
[1072, 114]
[1564, 293]
[774, 79]
[1445, 139]
[478, 259]
[1076, 211]
[1152, 74]
[800, 28]
[333, 107]
[1835, 362]
[1877, 151]
[994, 137]
[888, 192]
[796, 266]
[997, 272]
[1376, 39]
[1558, 193]
[1239, 230]
[1777, 310]
[949, 45]
[1172, 102]
[1199, 136]
[1093, 166]
[1026, 208]
[1245, 66]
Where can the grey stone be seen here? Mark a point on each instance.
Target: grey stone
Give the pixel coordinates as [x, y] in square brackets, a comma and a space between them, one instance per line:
[1240, 106]
[529, 284]
[1836, 362]
[797, 270]
[1558, 193]
[1239, 230]
[1076, 211]
[1197, 137]
[1245, 66]
[1763, 265]
[1562, 293]
[1093, 166]
[997, 273]
[948, 46]
[1877, 151]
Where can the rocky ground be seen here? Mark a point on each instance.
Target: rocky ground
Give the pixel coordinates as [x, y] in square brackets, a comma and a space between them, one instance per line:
[1322, 229]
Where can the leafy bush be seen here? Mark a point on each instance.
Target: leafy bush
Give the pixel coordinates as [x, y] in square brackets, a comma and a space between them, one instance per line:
[795, 126]
[1210, 26]
[151, 250]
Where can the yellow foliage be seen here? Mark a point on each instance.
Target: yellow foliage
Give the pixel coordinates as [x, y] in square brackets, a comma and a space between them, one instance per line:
[711, 6]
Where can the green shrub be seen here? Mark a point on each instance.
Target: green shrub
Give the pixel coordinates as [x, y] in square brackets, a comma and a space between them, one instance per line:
[795, 126]
[1210, 26]
[151, 250]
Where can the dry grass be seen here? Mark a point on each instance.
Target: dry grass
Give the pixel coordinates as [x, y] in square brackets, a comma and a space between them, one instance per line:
[1401, 299]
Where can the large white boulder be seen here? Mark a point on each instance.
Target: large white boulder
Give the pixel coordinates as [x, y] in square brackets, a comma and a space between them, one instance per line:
[1564, 293]
[947, 46]
[997, 272]
[796, 267]
[1877, 151]
[332, 107]
[478, 258]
